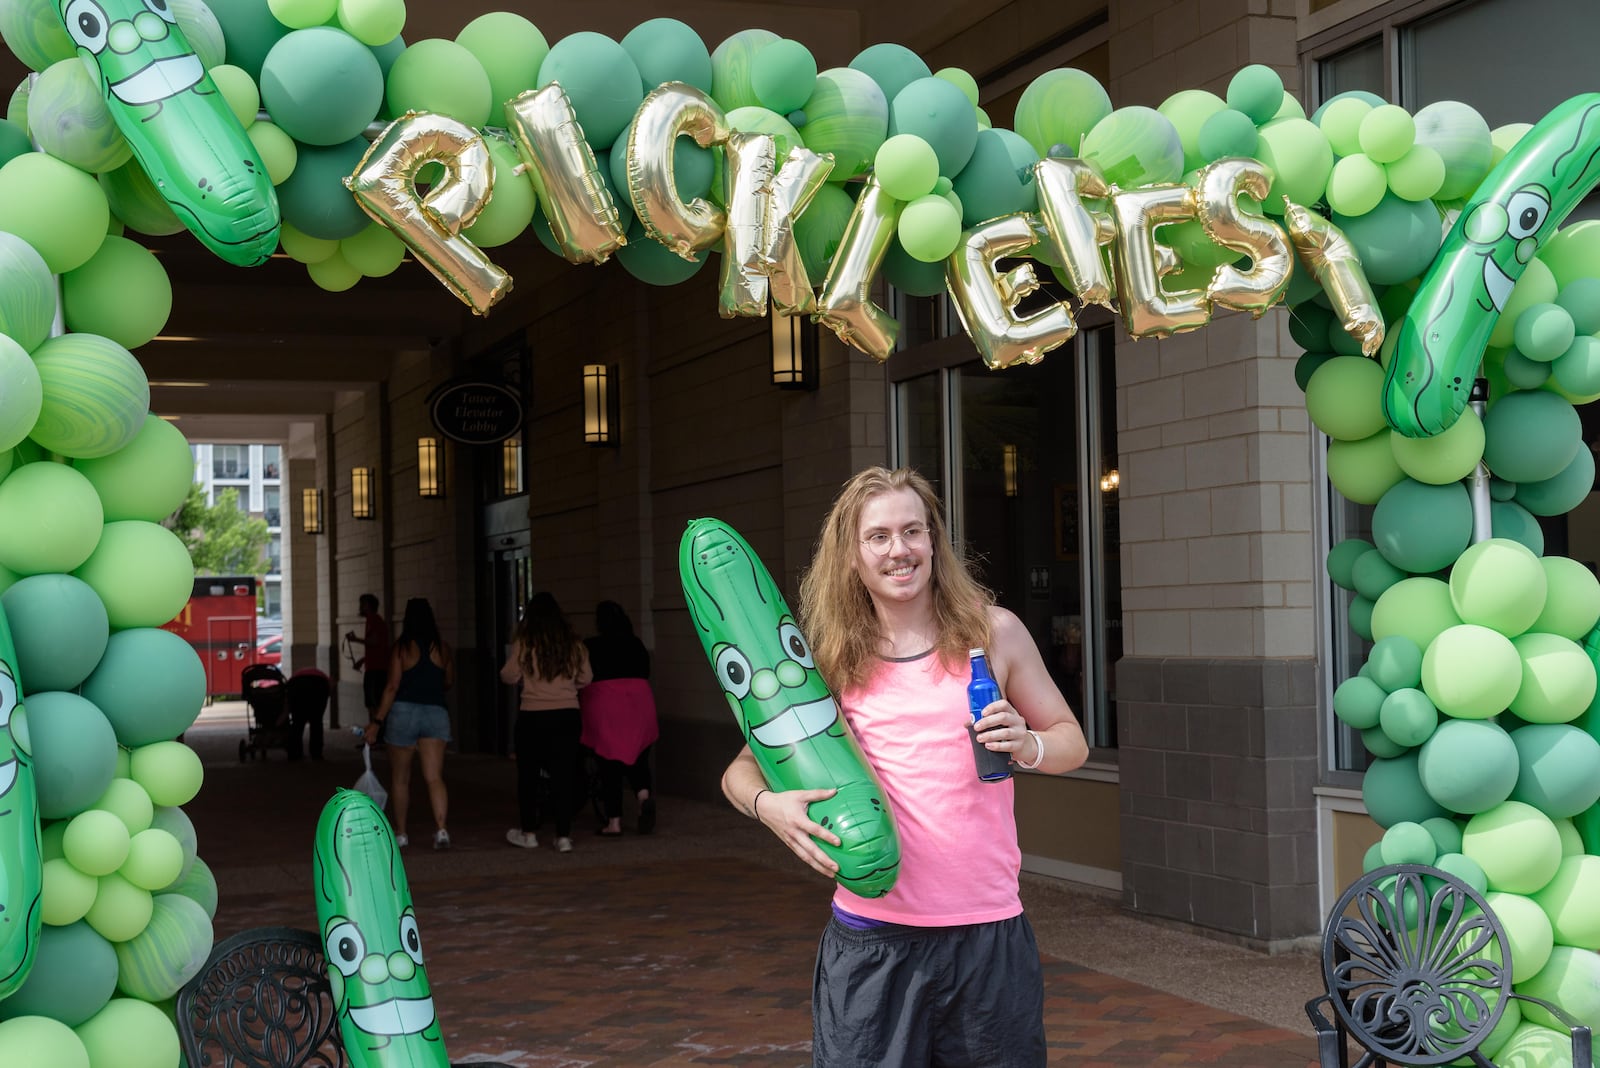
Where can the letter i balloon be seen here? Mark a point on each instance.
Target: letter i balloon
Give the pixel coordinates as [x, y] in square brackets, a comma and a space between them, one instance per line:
[785, 710]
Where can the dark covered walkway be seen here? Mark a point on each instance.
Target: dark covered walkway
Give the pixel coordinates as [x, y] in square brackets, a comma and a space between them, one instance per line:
[693, 946]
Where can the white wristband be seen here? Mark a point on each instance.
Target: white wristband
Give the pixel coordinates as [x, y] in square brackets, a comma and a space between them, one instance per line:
[1038, 755]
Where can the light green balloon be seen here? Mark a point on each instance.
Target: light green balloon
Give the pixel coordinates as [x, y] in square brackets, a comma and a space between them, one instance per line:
[373, 22]
[303, 248]
[239, 90]
[1417, 175]
[1356, 185]
[1407, 843]
[120, 910]
[1363, 471]
[1471, 672]
[131, 1033]
[277, 149]
[41, 1040]
[96, 842]
[1418, 608]
[169, 771]
[1500, 584]
[443, 77]
[1188, 111]
[1517, 846]
[70, 119]
[1060, 107]
[148, 478]
[510, 208]
[1343, 398]
[1444, 458]
[122, 293]
[1256, 90]
[155, 859]
[55, 207]
[67, 893]
[50, 519]
[1572, 255]
[1527, 930]
[141, 571]
[128, 801]
[1558, 679]
[1467, 766]
[930, 228]
[1301, 161]
[1571, 839]
[1572, 601]
[1572, 901]
[906, 167]
[377, 252]
[1538, 285]
[510, 49]
[298, 14]
[1387, 133]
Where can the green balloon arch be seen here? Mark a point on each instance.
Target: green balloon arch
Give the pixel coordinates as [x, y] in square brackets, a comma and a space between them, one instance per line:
[313, 127]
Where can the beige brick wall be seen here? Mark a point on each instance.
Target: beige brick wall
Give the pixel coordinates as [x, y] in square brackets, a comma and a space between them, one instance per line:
[1219, 559]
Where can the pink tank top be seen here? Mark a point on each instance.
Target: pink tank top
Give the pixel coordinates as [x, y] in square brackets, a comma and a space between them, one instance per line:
[959, 858]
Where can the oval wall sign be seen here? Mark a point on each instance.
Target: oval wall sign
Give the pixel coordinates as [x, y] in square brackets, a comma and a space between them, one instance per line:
[476, 413]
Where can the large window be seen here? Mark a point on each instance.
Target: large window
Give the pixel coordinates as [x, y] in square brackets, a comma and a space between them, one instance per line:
[270, 509]
[271, 461]
[1025, 461]
[230, 461]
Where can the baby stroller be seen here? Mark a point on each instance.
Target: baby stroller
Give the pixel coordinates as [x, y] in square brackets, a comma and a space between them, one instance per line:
[265, 693]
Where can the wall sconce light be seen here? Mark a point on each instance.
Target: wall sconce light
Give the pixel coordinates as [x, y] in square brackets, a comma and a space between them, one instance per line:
[794, 351]
[511, 467]
[599, 405]
[1110, 481]
[1008, 455]
[311, 510]
[361, 492]
[430, 474]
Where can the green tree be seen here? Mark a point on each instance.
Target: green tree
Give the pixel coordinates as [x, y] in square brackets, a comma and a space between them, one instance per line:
[221, 539]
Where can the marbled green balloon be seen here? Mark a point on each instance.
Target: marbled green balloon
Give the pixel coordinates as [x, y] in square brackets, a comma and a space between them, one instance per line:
[96, 395]
[1060, 107]
[847, 116]
[731, 64]
[168, 952]
[134, 199]
[70, 120]
[34, 32]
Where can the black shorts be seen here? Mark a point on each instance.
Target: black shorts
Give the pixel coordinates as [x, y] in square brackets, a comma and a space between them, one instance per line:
[372, 684]
[913, 997]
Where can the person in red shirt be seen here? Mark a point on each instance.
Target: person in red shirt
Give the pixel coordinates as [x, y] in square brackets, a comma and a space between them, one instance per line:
[374, 660]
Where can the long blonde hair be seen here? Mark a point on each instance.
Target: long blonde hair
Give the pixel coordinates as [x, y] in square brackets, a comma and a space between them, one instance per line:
[836, 611]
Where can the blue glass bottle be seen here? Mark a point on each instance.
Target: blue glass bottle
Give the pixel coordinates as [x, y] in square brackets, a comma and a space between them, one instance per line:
[983, 691]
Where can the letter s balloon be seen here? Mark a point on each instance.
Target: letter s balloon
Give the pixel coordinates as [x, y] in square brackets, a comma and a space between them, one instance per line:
[784, 708]
[180, 127]
[370, 937]
[21, 866]
[1514, 212]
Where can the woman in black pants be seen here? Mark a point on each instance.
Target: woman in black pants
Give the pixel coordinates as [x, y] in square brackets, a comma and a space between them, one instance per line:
[619, 716]
[552, 664]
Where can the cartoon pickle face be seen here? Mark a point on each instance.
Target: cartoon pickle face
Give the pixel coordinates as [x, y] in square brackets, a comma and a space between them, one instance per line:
[13, 754]
[774, 689]
[141, 60]
[370, 934]
[1508, 234]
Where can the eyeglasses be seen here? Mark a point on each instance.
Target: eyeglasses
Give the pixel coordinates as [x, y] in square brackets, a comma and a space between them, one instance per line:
[911, 538]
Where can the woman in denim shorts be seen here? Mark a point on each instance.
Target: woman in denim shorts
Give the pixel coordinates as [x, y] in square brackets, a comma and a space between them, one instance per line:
[421, 668]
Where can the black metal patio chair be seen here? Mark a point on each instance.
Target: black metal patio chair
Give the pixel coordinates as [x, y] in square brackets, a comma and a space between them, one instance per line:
[262, 1000]
[1417, 972]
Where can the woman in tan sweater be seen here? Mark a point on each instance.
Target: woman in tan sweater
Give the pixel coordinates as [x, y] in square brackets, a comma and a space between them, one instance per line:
[552, 664]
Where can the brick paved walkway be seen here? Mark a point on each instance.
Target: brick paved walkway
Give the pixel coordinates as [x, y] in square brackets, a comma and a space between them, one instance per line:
[692, 946]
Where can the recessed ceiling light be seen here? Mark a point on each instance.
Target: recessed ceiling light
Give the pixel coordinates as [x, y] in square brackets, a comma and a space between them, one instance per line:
[175, 337]
[170, 418]
[169, 384]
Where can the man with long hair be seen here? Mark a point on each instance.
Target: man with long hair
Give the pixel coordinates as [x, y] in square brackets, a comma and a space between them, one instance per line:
[943, 969]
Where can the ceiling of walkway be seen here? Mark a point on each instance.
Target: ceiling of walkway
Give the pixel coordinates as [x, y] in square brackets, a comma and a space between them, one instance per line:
[272, 349]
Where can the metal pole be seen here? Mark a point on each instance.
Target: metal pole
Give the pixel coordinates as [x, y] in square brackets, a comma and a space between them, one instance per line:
[1478, 488]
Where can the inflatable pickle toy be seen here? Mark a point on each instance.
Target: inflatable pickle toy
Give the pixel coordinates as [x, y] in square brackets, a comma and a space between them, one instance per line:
[1503, 225]
[21, 866]
[785, 710]
[180, 127]
[370, 937]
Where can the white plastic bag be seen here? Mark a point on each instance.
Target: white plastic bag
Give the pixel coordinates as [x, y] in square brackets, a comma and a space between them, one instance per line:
[368, 783]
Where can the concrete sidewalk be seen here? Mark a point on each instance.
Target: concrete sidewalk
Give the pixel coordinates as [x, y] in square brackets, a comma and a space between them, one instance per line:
[694, 945]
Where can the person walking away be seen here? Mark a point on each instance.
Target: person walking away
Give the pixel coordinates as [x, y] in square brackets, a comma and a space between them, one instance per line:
[940, 970]
[374, 660]
[413, 718]
[552, 665]
[619, 716]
